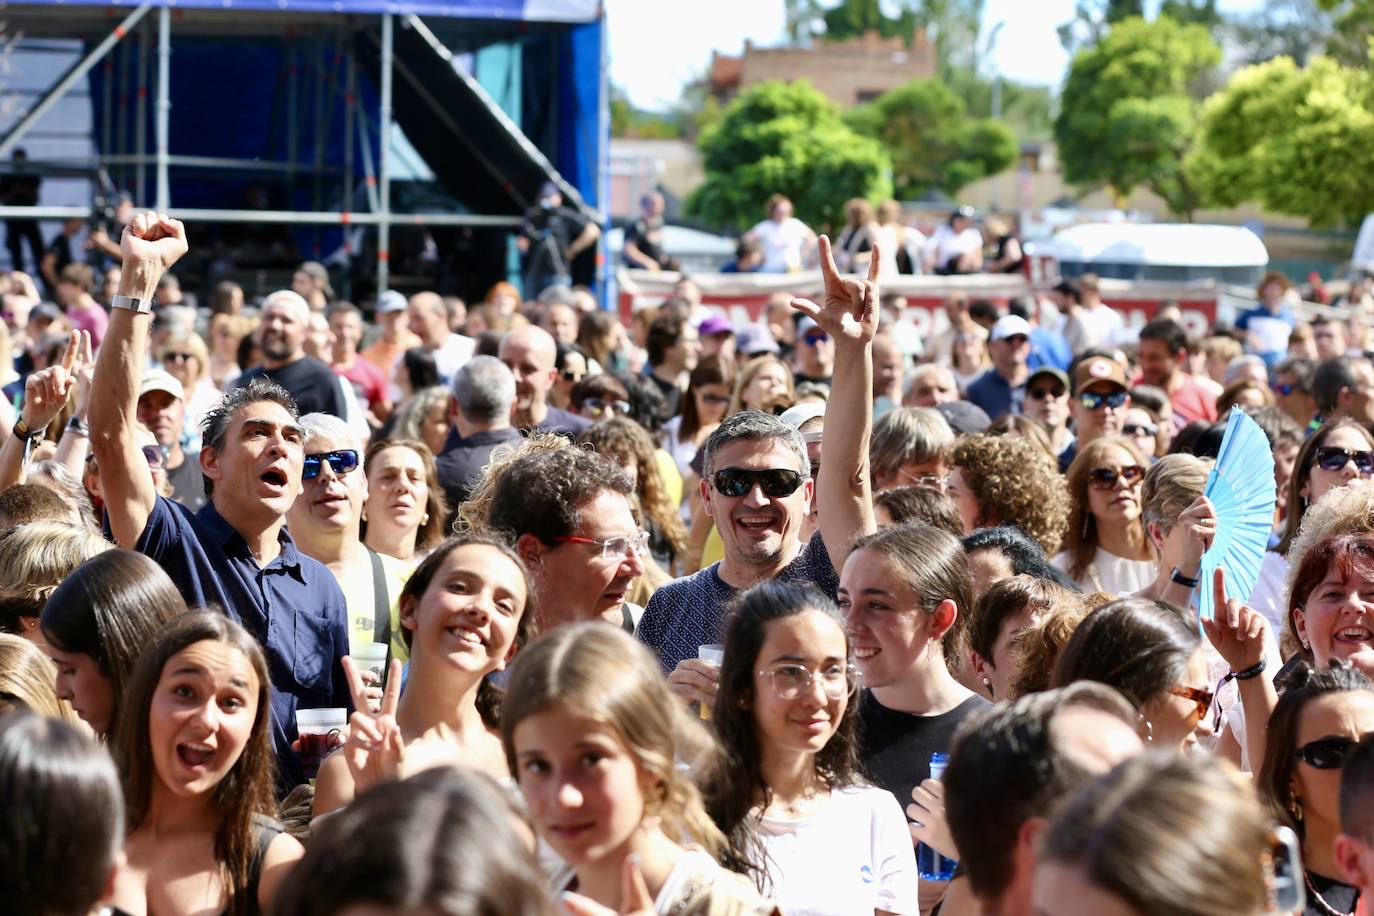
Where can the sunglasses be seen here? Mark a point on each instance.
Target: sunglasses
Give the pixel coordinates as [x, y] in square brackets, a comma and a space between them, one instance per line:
[715, 398]
[1106, 478]
[156, 456]
[570, 376]
[1140, 429]
[1091, 400]
[1325, 753]
[775, 482]
[1283, 389]
[1330, 458]
[340, 462]
[177, 357]
[815, 337]
[1041, 394]
[1203, 698]
[601, 405]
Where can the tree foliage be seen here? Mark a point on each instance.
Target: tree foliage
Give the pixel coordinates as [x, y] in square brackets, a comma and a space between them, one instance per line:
[933, 142]
[1129, 107]
[785, 138]
[1295, 140]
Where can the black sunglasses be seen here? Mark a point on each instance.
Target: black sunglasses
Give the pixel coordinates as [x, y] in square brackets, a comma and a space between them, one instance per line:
[775, 482]
[1106, 478]
[1325, 753]
[1139, 429]
[340, 462]
[1041, 394]
[1331, 458]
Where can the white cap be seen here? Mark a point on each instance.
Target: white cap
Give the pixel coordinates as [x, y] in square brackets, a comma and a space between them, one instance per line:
[1010, 326]
[161, 380]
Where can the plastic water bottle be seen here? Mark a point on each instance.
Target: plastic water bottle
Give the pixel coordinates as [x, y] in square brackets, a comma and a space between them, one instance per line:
[930, 864]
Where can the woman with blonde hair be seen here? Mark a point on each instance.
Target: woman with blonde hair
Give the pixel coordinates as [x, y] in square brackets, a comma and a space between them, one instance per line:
[1001, 480]
[764, 384]
[603, 754]
[225, 333]
[854, 244]
[969, 356]
[34, 559]
[1105, 547]
[426, 416]
[26, 680]
[186, 359]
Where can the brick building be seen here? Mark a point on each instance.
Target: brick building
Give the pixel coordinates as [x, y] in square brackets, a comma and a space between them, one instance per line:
[849, 72]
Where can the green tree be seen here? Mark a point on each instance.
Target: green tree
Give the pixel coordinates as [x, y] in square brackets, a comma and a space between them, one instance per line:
[1129, 108]
[852, 18]
[1295, 140]
[933, 142]
[785, 138]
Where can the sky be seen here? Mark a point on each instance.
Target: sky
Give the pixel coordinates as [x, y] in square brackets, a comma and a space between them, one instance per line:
[656, 46]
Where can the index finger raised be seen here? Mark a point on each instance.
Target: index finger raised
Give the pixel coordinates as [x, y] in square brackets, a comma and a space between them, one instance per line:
[391, 696]
[828, 269]
[874, 263]
[69, 354]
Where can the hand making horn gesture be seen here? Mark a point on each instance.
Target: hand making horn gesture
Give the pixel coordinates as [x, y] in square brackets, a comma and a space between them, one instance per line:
[849, 312]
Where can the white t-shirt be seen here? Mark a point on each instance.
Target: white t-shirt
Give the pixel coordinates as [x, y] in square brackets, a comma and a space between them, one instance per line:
[453, 355]
[950, 244]
[851, 857]
[782, 244]
[1270, 596]
[1111, 574]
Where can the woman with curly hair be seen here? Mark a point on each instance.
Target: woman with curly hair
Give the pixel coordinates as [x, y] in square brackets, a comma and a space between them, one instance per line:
[1106, 549]
[1005, 480]
[628, 445]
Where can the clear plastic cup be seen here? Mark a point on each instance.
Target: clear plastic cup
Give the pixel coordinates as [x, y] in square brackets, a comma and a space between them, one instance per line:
[372, 657]
[711, 654]
[319, 731]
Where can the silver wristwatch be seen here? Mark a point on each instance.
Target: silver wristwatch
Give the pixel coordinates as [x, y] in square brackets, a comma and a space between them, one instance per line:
[141, 306]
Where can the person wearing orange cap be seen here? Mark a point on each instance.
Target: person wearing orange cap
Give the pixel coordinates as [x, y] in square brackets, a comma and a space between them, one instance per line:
[1099, 402]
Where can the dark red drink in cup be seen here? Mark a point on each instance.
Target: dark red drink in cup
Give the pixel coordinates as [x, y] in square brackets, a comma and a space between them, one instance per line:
[320, 732]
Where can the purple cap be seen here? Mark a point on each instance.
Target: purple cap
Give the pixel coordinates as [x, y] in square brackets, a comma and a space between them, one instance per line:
[715, 323]
[754, 340]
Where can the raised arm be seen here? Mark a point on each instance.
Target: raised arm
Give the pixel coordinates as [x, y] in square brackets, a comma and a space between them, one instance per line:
[45, 394]
[850, 316]
[152, 242]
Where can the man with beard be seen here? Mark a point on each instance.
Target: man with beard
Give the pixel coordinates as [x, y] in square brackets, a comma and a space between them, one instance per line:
[281, 335]
[235, 554]
[1163, 362]
[757, 487]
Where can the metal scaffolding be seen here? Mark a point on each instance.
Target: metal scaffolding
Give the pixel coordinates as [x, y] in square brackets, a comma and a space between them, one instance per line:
[121, 153]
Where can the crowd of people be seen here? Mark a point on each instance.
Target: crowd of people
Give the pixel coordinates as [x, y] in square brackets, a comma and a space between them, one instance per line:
[514, 609]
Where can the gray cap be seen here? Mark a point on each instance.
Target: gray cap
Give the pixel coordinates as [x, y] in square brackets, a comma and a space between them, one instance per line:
[755, 340]
[964, 418]
[390, 301]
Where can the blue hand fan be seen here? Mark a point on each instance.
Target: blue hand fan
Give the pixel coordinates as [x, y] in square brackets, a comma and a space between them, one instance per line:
[1241, 488]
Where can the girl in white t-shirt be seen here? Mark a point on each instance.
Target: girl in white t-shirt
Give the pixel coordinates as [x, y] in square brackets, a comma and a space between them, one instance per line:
[786, 240]
[791, 801]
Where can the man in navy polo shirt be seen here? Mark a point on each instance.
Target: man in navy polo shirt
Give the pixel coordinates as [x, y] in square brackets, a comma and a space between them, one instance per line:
[234, 554]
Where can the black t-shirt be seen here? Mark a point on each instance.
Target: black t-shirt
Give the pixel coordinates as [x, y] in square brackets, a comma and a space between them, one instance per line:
[672, 394]
[188, 483]
[647, 236]
[314, 385]
[895, 747]
[550, 233]
[1339, 896]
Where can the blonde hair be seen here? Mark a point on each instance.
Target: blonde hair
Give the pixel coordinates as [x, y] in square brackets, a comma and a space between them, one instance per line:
[1227, 348]
[1016, 483]
[746, 376]
[1171, 486]
[907, 435]
[191, 343]
[35, 558]
[27, 678]
[599, 671]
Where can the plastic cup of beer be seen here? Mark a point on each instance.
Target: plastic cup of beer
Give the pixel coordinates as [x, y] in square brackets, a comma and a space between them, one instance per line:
[319, 731]
[372, 657]
[711, 654]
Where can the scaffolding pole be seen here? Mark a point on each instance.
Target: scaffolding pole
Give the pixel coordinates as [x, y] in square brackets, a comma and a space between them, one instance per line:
[164, 106]
[141, 119]
[287, 217]
[384, 129]
[71, 78]
[349, 93]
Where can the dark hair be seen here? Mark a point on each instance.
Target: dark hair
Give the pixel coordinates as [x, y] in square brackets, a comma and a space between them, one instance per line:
[735, 792]
[1302, 474]
[926, 505]
[1168, 332]
[246, 792]
[222, 297]
[420, 368]
[711, 370]
[934, 566]
[443, 841]
[544, 493]
[1329, 378]
[1005, 767]
[596, 336]
[1277, 426]
[1167, 834]
[1357, 792]
[1003, 601]
[1024, 553]
[488, 695]
[1140, 647]
[110, 608]
[1301, 368]
[753, 426]
[30, 502]
[982, 309]
[214, 426]
[647, 405]
[1274, 780]
[602, 385]
[63, 825]
[664, 333]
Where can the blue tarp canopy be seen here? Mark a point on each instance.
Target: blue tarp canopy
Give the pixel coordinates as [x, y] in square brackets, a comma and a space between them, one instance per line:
[518, 10]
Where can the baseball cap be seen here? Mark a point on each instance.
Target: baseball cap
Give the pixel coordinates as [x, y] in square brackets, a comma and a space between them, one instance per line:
[160, 380]
[753, 340]
[1010, 326]
[964, 418]
[1057, 374]
[390, 301]
[1096, 370]
[715, 323]
[45, 311]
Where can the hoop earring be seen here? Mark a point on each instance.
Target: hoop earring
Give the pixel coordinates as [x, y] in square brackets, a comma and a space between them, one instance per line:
[1295, 809]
